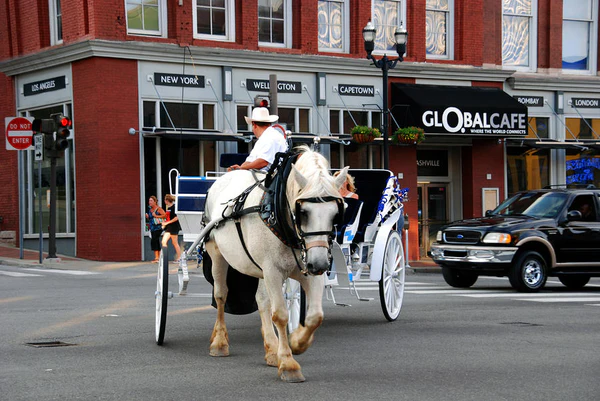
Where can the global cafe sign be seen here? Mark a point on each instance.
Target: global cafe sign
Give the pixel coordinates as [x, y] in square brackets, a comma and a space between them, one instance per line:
[454, 120]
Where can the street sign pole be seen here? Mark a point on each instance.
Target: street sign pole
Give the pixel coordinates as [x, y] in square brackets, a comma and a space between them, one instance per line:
[38, 141]
[52, 230]
[40, 210]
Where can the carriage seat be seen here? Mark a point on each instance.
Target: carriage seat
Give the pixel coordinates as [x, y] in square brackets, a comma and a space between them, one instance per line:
[370, 185]
[346, 232]
[191, 198]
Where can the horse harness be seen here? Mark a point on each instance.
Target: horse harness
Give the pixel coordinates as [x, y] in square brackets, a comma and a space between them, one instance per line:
[272, 210]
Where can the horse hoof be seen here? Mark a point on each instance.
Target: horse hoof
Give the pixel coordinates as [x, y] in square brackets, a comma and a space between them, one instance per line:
[292, 376]
[219, 351]
[271, 360]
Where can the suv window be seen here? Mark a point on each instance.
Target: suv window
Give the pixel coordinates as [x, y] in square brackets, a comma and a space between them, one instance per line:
[586, 206]
[533, 204]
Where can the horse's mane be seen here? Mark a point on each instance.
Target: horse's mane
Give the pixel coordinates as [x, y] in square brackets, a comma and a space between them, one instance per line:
[315, 168]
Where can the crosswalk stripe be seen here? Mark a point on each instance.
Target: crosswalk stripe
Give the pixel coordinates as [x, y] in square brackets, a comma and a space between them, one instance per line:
[521, 295]
[455, 292]
[17, 274]
[73, 272]
[561, 299]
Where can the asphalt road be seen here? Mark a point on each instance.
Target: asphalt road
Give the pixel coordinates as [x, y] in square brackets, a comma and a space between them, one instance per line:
[485, 343]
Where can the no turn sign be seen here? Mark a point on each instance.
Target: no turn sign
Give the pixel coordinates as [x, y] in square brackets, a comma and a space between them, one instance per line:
[19, 133]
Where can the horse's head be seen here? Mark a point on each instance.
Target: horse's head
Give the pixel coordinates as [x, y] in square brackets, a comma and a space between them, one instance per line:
[317, 206]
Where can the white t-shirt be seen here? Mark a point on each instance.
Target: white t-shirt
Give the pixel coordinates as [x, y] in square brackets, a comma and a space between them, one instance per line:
[270, 142]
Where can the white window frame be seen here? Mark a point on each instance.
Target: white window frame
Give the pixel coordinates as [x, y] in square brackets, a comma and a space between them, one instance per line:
[593, 40]
[54, 28]
[229, 23]
[287, 28]
[533, 28]
[401, 20]
[162, 22]
[345, 28]
[449, 34]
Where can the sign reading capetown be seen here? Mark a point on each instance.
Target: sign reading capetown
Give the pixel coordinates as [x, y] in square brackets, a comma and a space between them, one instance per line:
[474, 111]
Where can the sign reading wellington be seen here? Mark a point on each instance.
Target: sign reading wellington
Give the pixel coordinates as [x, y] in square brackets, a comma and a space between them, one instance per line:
[19, 133]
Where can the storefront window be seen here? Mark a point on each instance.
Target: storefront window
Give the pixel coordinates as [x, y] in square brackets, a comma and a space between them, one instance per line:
[354, 155]
[529, 168]
[65, 184]
[583, 168]
[579, 128]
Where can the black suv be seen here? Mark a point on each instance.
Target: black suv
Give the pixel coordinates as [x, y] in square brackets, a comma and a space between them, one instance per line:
[530, 236]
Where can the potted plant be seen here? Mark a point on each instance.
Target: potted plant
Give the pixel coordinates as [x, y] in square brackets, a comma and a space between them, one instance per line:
[364, 134]
[409, 135]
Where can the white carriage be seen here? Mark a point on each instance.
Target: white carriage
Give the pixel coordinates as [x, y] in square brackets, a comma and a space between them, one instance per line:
[368, 246]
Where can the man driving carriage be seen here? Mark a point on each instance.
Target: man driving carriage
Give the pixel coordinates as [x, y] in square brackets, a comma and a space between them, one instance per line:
[270, 141]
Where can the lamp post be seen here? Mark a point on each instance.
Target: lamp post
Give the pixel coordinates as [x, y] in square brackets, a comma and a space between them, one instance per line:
[385, 64]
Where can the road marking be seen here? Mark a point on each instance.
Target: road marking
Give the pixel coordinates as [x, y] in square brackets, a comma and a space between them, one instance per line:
[565, 299]
[521, 295]
[73, 272]
[17, 274]
[461, 292]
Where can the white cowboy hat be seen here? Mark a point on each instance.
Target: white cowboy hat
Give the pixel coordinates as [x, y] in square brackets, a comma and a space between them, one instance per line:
[261, 114]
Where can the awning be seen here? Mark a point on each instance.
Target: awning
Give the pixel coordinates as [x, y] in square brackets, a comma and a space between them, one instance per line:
[549, 144]
[459, 110]
[241, 136]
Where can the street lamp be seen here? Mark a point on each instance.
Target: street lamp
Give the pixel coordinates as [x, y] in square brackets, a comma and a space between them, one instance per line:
[385, 64]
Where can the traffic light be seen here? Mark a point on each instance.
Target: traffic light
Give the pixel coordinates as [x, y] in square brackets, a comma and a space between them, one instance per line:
[62, 131]
[261, 101]
[43, 125]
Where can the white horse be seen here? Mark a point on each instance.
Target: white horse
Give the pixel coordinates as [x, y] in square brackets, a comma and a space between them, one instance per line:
[314, 201]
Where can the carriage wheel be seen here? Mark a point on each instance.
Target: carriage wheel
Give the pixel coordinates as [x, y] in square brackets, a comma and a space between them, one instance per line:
[391, 284]
[162, 295]
[295, 300]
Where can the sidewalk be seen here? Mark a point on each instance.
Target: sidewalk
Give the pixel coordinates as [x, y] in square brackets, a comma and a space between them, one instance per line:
[10, 256]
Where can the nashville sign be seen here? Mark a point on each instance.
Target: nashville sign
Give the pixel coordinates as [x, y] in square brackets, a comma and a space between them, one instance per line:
[453, 119]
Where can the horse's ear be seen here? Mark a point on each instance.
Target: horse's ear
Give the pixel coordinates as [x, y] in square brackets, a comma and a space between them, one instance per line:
[341, 178]
[297, 175]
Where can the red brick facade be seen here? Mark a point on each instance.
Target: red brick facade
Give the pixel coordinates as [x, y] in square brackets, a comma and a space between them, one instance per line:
[105, 101]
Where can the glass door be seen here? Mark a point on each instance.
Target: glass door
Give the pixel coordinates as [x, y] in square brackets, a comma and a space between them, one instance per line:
[432, 213]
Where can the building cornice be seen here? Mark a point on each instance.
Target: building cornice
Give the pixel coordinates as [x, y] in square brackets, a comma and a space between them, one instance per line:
[555, 82]
[271, 61]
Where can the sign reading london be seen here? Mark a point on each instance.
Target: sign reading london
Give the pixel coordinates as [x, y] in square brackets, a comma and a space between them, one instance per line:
[263, 85]
[188, 81]
[47, 85]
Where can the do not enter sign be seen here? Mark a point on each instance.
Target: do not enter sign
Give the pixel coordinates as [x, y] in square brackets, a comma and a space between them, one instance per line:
[19, 133]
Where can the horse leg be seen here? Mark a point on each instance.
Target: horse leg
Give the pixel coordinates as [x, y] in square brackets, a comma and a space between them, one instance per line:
[302, 338]
[268, 333]
[288, 369]
[219, 340]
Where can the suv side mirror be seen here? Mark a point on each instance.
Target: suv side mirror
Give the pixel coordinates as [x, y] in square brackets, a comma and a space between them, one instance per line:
[574, 215]
[488, 213]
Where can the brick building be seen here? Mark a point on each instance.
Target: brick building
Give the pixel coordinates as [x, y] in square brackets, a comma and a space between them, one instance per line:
[507, 93]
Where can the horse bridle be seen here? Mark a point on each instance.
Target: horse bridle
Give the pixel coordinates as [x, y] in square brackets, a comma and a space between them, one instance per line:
[302, 235]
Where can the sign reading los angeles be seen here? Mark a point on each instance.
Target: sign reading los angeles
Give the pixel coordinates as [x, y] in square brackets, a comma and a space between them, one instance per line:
[19, 133]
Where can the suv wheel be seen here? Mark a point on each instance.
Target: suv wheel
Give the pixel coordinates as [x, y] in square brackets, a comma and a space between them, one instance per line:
[574, 282]
[528, 273]
[457, 278]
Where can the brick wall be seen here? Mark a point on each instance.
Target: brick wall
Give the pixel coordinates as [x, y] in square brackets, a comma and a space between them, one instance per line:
[9, 189]
[484, 157]
[107, 162]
